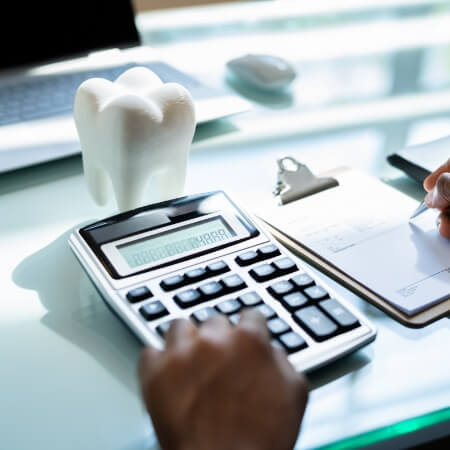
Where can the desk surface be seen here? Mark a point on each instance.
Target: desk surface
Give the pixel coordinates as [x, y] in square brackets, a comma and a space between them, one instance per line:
[68, 365]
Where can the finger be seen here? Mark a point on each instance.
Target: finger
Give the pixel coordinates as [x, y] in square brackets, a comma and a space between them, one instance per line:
[439, 196]
[444, 225]
[216, 327]
[147, 362]
[284, 364]
[297, 379]
[431, 179]
[252, 320]
[181, 332]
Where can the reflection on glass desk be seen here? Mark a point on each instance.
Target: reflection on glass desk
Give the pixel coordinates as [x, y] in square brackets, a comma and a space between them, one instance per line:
[373, 76]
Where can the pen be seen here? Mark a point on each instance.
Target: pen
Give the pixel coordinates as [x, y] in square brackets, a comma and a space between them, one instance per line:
[419, 210]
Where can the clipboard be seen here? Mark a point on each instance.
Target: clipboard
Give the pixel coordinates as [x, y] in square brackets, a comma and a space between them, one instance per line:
[334, 180]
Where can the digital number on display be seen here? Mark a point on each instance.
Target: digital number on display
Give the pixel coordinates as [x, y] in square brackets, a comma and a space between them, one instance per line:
[172, 243]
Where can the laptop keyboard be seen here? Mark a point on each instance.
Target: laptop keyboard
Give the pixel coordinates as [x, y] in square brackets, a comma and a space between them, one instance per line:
[53, 95]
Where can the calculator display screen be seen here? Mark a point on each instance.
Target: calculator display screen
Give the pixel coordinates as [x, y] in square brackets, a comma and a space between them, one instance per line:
[182, 240]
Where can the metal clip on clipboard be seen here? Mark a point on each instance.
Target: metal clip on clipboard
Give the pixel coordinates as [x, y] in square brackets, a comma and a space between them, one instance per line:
[296, 181]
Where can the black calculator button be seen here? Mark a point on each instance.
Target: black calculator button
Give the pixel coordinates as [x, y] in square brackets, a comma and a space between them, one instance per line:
[188, 298]
[171, 283]
[233, 283]
[153, 310]
[294, 301]
[266, 310]
[263, 272]
[234, 318]
[202, 315]
[217, 267]
[268, 251]
[195, 275]
[278, 326]
[316, 293]
[163, 328]
[247, 258]
[281, 288]
[250, 299]
[229, 307]
[138, 294]
[292, 342]
[212, 289]
[302, 281]
[340, 314]
[315, 322]
[285, 265]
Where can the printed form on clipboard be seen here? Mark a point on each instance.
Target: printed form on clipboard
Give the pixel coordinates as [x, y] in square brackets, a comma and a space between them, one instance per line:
[362, 228]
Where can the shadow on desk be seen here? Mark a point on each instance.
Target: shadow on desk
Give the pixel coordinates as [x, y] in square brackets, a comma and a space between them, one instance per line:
[76, 312]
[348, 365]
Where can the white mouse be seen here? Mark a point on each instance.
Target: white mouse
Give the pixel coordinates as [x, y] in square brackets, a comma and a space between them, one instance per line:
[266, 72]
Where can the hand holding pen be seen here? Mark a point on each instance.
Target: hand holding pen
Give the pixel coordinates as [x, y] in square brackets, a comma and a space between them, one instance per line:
[437, 184]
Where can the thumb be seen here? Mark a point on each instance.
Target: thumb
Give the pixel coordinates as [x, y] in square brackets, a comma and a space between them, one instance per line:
[439, 196]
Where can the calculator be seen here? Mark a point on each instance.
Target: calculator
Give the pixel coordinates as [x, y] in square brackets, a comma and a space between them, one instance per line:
[202, 255]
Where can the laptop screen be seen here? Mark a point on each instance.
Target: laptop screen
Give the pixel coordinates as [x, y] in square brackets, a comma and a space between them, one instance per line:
[43, 31]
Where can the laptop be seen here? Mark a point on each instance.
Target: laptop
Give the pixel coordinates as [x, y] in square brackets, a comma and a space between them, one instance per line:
[49, 48]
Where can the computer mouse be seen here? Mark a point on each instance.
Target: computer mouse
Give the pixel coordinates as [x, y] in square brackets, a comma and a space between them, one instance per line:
[266, 72]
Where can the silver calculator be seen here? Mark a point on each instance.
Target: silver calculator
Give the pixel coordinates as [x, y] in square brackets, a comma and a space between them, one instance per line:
[201, 255]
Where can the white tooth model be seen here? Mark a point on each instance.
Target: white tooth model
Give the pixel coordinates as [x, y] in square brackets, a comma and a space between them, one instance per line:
[135, 134]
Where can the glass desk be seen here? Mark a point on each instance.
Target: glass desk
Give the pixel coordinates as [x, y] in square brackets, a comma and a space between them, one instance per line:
[372, 79]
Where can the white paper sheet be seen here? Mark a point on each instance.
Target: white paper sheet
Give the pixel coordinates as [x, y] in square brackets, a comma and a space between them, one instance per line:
[363, 229]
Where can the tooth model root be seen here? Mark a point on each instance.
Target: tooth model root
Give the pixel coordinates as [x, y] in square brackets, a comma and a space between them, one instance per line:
[135, 135]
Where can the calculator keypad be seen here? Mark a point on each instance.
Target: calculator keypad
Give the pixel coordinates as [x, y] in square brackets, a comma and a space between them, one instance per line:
[278, 326]
[217, 268]
[252, 256]
[263, 272]
[233, 283]
[229, 307]
[299, 312]
[316, 293]
[292, 342]
[191, 276]
[138, 294]
[188, 298]
[302, 281]
[247, 258]
[294, 301]
[171, 283]
[211, 290]
[153, 310]
[339, 313]
[319, 326]
[250, 299]
[203, 315]
[284, 265]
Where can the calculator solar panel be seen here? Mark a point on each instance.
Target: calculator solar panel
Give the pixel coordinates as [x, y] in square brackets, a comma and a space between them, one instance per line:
[199, 256]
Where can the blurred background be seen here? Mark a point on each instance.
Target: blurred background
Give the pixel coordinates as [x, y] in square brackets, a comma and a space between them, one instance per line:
[381, 64]
[142, 5]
